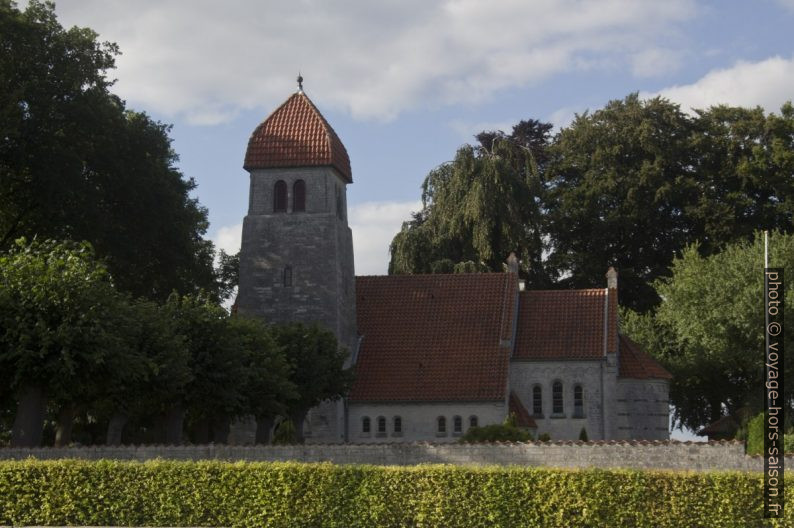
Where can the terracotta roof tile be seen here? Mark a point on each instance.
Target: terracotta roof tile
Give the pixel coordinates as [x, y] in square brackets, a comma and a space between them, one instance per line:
[561, 324]
[637, 364]
[523, 418]
[433, 337]
[296, 135]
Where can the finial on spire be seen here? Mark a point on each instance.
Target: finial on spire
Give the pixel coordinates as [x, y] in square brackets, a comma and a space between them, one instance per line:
[300, 82]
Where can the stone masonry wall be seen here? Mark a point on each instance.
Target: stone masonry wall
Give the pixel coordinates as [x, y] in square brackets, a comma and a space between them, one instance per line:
[639, 455]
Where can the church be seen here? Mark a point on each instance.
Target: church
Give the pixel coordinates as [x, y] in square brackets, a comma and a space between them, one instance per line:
[433, 355]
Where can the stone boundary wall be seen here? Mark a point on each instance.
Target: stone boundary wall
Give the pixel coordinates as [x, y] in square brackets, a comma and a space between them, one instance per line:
[639, 455]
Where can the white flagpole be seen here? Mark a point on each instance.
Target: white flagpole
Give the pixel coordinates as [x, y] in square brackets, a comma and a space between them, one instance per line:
[766, 250]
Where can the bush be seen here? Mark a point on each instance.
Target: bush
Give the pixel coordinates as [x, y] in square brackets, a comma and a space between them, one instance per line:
[583, 435]
[545, 437]
[284, 433]
[755, 437]
[496, 433]
[171, 493]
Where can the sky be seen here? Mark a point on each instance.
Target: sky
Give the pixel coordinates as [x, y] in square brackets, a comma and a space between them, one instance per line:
[406, 82]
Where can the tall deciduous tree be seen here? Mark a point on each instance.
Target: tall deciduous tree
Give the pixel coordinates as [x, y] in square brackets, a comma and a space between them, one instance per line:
[709, 328]
[634, 183]
[318, 368]
[75, 164]
[480, 207]
[267, 386]
[57, 328]
[620, 181]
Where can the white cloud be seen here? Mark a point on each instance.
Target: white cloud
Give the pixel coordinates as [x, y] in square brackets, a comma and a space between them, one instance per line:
[767, 83]
[655, 62]
[788, 4]
[228, 238]
[467, 130]
[207, 60]
[374, 225]
[564, 116]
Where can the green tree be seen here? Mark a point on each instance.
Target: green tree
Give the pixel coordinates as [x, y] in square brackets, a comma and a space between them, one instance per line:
[154, 380]
[480, 207]
[215, 394]
[634, 183]
[318, 368]
[619, 179]
[708, 330]
[267, 386]
[57, 328]
[75, 164]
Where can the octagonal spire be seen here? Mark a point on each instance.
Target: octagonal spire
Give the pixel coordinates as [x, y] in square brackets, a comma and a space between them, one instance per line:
[296, 135]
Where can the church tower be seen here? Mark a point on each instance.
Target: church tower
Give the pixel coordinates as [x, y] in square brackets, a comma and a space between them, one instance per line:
[296, 256]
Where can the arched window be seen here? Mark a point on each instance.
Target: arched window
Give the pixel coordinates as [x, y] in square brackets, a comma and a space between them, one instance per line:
[473, 421]
[381, 426]
[537, 401]
[365, 425]
[287, 276]
[299, 196]
[398, 426]
[556, 398]
[457, 425]
[280, 197]
[578, 402]
[441, 423]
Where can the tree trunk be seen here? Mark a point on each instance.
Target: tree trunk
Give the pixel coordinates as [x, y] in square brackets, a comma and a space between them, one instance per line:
[298, 417]
[29, 420]
[220, 430]
[63, 430]
[264, 427]
[116, 429]
[201, 431]
[174, 421]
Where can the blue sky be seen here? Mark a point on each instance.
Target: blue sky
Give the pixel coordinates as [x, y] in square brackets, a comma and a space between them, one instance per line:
[406, 82]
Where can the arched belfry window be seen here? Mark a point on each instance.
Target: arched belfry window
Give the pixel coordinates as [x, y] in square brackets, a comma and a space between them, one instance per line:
[280, 197]
[299, 196]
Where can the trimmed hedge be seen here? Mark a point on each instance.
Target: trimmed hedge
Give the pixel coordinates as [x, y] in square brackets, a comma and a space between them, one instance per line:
[171, 493]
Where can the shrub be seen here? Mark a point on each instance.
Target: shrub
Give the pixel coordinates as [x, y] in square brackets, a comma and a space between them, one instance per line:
[583, 435]
[284, 433]
[496, 433]
[171, 493]
[755, 437]
[545, 437]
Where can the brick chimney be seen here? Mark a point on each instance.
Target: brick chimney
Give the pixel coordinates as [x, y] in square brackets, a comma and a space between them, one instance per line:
[512, 263]
[612, 278]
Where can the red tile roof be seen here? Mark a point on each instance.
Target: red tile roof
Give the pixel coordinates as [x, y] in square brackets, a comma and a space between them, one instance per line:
[637, 364]
[296, 135]
[523, 418]
[434, 337]
[562, 324]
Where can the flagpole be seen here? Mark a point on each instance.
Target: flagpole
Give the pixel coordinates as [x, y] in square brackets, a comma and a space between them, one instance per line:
[766, 250]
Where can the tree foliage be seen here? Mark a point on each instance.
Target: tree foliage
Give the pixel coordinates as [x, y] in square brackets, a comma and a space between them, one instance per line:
[709, 329]
[629, 185]
[76, 164]
[318, 368]
[58, 325]
[479, 208]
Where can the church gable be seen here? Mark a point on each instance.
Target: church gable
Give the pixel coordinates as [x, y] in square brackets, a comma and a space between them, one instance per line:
[427, 338]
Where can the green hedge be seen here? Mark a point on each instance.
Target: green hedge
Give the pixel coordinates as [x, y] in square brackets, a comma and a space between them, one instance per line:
[169, 493]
